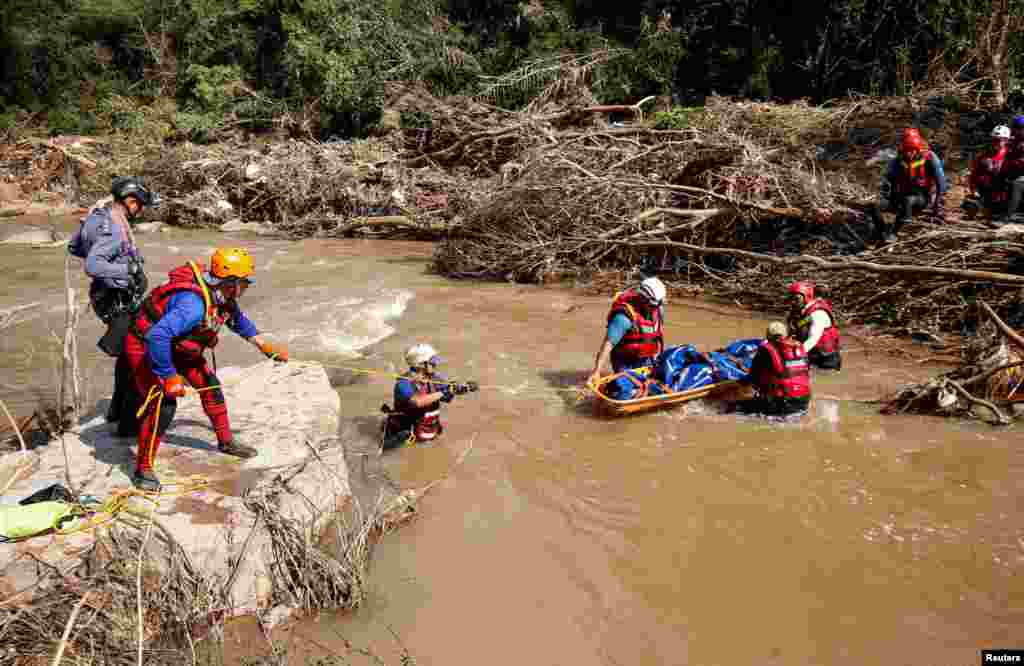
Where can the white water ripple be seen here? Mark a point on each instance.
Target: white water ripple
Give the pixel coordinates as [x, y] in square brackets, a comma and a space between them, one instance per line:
[343, 325]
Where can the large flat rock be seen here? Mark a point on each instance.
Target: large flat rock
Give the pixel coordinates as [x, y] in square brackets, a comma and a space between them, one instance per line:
[289, 412]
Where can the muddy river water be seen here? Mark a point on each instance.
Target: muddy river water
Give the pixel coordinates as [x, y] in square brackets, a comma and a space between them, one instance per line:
[679, 537]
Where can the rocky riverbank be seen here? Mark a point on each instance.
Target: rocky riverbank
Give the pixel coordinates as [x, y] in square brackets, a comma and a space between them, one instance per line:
[288, 412]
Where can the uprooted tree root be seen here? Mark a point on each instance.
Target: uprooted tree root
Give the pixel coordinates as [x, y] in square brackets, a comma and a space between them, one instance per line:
[984, 385]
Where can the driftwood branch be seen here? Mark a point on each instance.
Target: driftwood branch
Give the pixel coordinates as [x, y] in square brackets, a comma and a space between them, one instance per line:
[635, 109]
[700, 213]
[69, 372]
[974, 400]
[14, 424]
[837, 264]
[1010, 334]
[67, 629]
[457, 147]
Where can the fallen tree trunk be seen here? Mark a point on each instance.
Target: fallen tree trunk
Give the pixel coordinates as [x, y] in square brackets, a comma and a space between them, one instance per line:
[394, 221]
[832, 263]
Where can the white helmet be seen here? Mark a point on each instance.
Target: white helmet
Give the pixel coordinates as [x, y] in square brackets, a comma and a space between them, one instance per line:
[419, 354]
[654, 290]
[777, 329]
[1001, 132]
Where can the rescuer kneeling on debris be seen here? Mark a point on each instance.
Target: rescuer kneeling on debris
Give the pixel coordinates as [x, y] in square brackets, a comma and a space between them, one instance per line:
[1012, 174]
[113, 261]
[986, 179]
[176, 324]
[416, 417]
[813, 323]
[914, 181]
[635, 334]
[780, 376]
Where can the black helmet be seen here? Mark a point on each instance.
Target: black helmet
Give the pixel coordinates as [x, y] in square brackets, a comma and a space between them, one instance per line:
[125, 186]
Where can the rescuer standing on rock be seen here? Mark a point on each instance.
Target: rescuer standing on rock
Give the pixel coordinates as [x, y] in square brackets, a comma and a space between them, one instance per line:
[176, 324]
[113, 261]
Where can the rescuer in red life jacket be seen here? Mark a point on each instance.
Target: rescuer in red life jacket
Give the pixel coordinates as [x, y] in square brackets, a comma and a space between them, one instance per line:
[812, 322]
[166, 346]
[780, 375]
[914, 181]
[635, 333]
[419, 393]
[985, 182]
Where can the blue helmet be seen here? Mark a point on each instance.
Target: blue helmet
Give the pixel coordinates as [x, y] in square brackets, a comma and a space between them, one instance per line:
[1017, 122]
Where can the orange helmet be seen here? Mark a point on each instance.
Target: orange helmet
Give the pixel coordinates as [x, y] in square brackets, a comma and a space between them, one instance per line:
[805, 289]
[231, 262]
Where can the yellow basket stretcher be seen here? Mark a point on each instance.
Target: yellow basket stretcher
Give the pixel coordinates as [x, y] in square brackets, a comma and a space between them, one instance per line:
[647, 403]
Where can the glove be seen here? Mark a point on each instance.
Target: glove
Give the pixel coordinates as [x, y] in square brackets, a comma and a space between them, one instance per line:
[278, 352]
[174, 386]
[446, 393]
[468, 387]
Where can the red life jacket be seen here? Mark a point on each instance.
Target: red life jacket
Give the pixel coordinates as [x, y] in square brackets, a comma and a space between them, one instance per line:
[1013, 163]
[915, 175]
[645, 339]
[790, 375]
[200, 338]
[829, 342]
[424, 421]
[984, 177]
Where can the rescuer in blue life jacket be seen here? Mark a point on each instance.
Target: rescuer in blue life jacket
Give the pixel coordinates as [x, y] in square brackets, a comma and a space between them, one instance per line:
[419, 392]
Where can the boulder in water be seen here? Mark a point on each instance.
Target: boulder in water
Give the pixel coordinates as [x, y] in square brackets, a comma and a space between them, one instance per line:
[288, 412]
[147, 227]
[41, 237]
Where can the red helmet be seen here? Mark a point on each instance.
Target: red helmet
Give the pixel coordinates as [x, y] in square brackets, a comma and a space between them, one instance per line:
[912, 142]
[805, 289]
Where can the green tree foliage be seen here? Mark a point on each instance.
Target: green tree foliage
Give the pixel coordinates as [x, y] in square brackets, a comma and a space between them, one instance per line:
[93, 64]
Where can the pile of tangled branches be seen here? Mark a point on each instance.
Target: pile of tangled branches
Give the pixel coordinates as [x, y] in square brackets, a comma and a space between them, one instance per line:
[137, 597]
[300, 189]
[735, 207]
[988, 383]
[100, 616]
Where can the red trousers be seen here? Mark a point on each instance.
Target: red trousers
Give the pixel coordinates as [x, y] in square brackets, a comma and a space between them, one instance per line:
[198, 374]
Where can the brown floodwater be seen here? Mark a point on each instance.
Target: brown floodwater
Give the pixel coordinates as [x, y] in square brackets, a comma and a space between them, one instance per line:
[677, 537]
